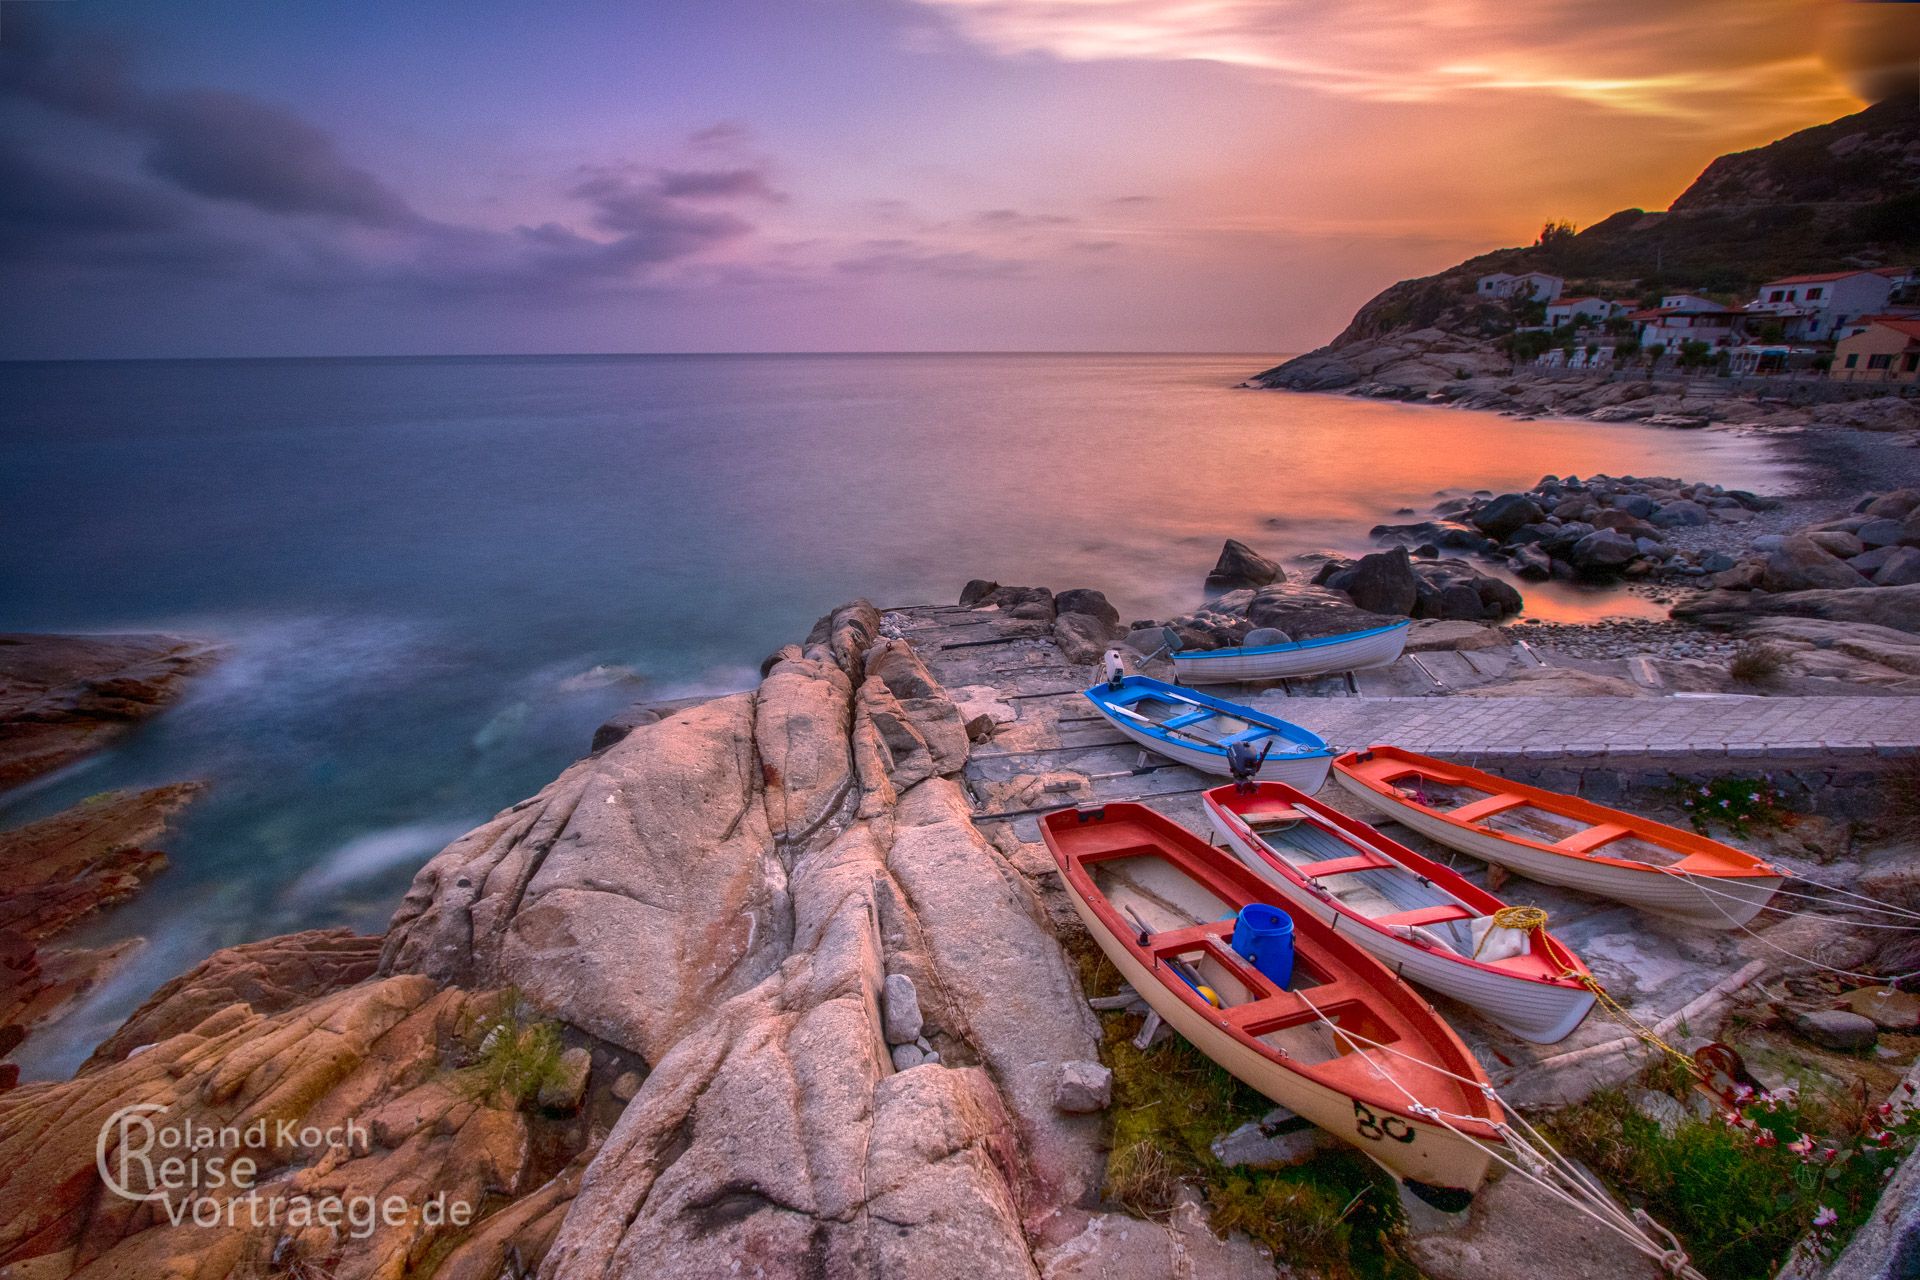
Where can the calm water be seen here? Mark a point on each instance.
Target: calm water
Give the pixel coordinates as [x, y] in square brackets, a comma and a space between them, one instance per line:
[436, 576]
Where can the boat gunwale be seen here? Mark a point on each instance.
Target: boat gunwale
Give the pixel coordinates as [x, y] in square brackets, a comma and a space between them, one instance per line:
[1286, 729]
[1368, 1088]
[1291, 646]
[1659, 833]
[1540, 946]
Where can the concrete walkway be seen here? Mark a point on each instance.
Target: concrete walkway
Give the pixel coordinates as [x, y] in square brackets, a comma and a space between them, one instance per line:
[1598, 729]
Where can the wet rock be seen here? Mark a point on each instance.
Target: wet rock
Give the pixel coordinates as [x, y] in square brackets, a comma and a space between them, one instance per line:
[1082, 1087]
[901, 1017]
[1033, 604]
[976, 590]
[1679, 514]
[1505, 514]
[1384, 582]
[1241, 566]
[1531, 563]
[1801, 564]
[1082, 637]
[1084, 600]
[63, 697]
[1603, 550]
[1839, 1029]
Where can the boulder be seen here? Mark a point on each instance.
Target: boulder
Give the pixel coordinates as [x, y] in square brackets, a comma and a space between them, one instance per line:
[1839, 1029]
[1304, 612]
[1082, 637]
[1531, 563]
[563, 1091]
[1801, 564]
[1033, 604]
[1240, 566]
[625, 722]
[906, 1057]
[1639, 504]
[1384, 582]
[901, 1019]
[1498, 598]
[1880, 533]
[1262, 637]
[1895, 607]
[1505, 514]
[1431, 635]
[1835, 543]
[1087, 601]
[1901, 569]
[1888, 1008]
[1679, 514]
[1603, 551]
[976, 590]
[1896, 505]
[1082, 1087]
[1147, 640]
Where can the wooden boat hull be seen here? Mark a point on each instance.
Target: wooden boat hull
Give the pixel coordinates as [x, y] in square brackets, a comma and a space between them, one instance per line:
[1299, 758]
[1537, 1011]
[1355, 651]
[1699, 898]
[1408, 1145]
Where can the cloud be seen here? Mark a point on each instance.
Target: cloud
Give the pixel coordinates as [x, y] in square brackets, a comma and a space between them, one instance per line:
[1014, 220]
[1685, 58]
[911, 257]
[719, 184]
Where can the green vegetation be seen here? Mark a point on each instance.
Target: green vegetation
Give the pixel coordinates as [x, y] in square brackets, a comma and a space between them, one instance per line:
[1739, 805]
[1694, 354]
[1741, 1188]
[514, 1055]
[1556, 235]
[1337, 1215]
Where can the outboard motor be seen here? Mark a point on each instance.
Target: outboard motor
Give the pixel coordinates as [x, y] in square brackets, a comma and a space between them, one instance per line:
[1244, 765]
[1116, 668]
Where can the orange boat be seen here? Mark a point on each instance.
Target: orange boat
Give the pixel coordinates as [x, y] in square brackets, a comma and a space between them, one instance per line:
[1343, 1043]
[1560, 839]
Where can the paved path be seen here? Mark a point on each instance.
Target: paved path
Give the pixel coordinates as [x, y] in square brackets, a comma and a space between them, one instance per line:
[1595, 729]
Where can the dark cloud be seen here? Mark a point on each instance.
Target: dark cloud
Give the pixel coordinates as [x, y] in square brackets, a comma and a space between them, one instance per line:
[724, 134]
[224, 146]
[719, 184]
[1014, 220]
[1131, 200]
[909, 257]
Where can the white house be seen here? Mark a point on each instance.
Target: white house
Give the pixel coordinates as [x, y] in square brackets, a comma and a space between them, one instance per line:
[1669, 327]
[1690, 302]
[1566, 310]
[1537, 285]
[1817, 307]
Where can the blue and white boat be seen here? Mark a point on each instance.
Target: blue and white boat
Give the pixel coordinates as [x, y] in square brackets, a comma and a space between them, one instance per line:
[1349, 651]
[1198, 731]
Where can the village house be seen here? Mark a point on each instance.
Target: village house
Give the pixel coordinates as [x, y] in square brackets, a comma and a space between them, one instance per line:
[1688, 319]
[1567, 310]
[1886, 349]
[1537, 285]
[1819, 307]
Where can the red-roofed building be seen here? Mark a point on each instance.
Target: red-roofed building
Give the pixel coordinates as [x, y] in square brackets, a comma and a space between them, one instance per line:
[1887, 350]
[1818, 306]
[1567, 310]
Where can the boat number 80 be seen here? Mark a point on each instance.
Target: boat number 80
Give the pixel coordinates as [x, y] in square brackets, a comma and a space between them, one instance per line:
[1373, 1128]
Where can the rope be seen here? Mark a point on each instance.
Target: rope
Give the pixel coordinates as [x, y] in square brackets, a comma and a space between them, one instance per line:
[1546, 1169]
[1808, 960]
[1520, 919]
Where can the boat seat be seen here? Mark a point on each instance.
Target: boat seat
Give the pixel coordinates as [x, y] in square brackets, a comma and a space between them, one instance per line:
[1427, 915]
[1486, 808]
[1342, 866]
[1186, 718]
[1251, 735]
[1592, 838]
[1173, 941]
[1286, 1009]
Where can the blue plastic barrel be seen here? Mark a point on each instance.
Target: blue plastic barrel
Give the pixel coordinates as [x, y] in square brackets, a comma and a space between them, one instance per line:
[1264, 935]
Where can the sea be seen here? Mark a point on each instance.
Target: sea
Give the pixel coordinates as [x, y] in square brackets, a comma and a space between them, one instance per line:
[432, 578]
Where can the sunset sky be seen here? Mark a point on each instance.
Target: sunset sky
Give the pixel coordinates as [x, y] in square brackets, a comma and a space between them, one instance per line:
[232, 177]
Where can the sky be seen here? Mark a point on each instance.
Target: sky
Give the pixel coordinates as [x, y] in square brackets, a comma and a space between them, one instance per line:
[245, 178]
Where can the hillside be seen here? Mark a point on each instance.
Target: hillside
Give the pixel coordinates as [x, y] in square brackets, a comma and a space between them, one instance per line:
[1841, 194]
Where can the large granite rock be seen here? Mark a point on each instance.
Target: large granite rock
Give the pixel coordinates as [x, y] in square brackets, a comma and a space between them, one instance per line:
[1384, 582]
[1894, 607]
[1802, 564]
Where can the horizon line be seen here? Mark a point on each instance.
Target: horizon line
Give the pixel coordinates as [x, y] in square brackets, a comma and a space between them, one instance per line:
[632, 355]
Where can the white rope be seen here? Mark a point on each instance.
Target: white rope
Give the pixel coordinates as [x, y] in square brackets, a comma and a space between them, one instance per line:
[1701, 883]
[1578, 1192]
[1867, 898]
[1875, 978]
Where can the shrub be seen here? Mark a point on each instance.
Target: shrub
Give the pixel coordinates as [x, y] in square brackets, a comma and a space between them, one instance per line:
[1754, 662]
[514, 1056]
[1740, 1189]
[1741, 805]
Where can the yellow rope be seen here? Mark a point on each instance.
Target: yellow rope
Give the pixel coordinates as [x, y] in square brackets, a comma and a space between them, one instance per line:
[1525, 919]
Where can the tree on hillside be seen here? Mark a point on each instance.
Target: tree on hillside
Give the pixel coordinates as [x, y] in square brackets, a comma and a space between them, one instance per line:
[1556, 234]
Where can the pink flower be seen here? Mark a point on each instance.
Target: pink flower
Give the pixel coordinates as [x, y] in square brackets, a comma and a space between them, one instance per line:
[1764, 1139]
[1801, 1145]
[1825, 1217]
